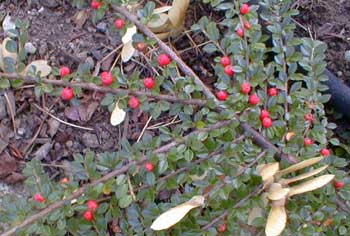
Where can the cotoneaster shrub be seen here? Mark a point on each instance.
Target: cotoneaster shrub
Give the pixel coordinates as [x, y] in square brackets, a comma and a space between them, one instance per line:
[266, 77]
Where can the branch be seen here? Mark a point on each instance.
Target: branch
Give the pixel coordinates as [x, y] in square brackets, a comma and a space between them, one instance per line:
[258, 138]
[182, 65]
[106, 177]
[241, 202]
[117, 91]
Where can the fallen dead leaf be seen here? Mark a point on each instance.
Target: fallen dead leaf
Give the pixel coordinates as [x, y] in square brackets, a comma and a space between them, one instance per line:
[174, 215]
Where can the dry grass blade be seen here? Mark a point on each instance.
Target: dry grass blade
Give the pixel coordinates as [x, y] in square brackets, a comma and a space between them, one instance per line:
[311, 185]
[300, 165]
[174, 215]
[276, 221]
[285, 182]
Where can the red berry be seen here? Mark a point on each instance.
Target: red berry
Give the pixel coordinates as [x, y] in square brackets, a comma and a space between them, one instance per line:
[240, 32]
[225, 61]
[88, 215]
[266, 122]
[309, 117]
[244, 9]
[307, 141]
[148, 166]
[106, 78]
[246, 25]
[221, 228]
[246, 88]
[92, 205]
[163, 60]
[39, 198]
[338, 184]
[229, 70]
[119, 23]
[272, 92]
[67, 94]
[253, 99]
[148, 82]
[221, 95]
[325, 152]
[64, 70]
[133, 103]
[95, 4]
[64, 181]
[264, 114]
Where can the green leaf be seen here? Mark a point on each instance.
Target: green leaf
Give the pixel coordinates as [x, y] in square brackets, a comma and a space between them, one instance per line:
[11, 46]
[125, 201]
[4, 83]
[213, 32]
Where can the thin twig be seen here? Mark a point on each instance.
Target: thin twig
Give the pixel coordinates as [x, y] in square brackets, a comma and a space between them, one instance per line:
[117, 91]
[62, 121]
[257, 137]
[81, 190]
[241, 202]
[11, 112]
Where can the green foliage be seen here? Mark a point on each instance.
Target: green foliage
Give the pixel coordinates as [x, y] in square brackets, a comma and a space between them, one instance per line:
[130, 201]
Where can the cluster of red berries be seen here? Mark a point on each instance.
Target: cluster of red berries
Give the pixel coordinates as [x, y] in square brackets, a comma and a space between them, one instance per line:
[246, 25]
[89, 214]
[265, 119]
[225, 61]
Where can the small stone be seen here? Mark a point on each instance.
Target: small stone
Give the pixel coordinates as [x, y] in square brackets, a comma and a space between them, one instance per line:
[90, 140]
[21, 131]
[339, 74]
[101, 27]
[43, 48]
[29, 48]
[347, 56]
[69, 143]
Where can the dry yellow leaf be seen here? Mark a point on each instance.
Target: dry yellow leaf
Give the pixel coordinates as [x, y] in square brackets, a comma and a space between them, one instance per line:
[118, 115]
[162, 9]
[128, 51]
[160, 25]
[285, 182]
[311, 185]
[266, 171]
[276, 221]
[174, 215]
[129, 34]
[40, 66]
[277, 192]
[300, 165]
[178, 12]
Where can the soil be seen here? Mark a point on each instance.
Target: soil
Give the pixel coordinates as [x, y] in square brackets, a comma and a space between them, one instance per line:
[328, 21]
[61, 40]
